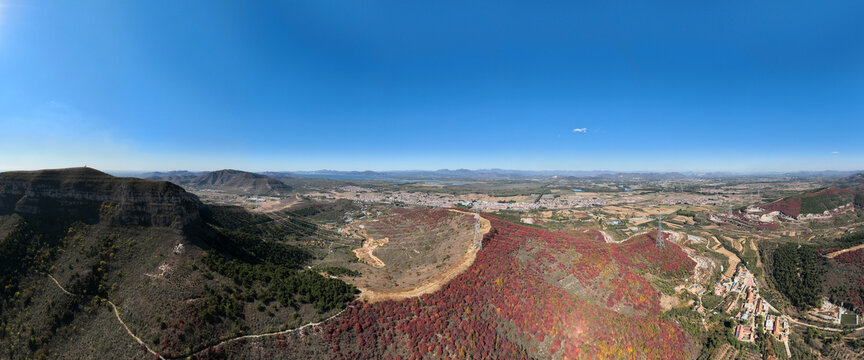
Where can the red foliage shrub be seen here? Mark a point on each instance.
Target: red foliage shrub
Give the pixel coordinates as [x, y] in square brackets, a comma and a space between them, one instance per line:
[853, 292]
[670, 259]
[852, 257]
[788, 206]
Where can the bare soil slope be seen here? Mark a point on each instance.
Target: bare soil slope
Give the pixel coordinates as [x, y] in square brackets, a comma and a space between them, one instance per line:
[413, 252]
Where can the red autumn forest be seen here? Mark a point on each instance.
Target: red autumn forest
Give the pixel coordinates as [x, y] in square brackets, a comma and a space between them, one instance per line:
[518, 300]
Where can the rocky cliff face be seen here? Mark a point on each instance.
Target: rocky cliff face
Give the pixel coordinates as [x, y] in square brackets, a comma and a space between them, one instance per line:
[92, 196]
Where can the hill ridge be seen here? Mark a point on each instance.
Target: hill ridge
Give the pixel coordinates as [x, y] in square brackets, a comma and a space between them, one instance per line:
[240, 181]
[96, 196]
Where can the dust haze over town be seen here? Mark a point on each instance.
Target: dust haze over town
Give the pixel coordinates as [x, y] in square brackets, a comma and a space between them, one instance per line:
[388, 180]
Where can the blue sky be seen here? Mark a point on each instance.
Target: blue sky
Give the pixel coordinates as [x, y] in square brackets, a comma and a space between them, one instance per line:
[354, 85]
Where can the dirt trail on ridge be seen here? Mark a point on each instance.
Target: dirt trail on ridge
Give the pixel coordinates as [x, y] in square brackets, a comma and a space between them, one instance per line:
[838, 252]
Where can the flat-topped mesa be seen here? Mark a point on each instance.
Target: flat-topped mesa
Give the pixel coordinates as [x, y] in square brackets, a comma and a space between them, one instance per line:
[92, 196]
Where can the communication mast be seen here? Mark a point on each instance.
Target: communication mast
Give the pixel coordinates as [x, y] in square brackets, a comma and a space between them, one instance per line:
[478, 238]
[659, 240]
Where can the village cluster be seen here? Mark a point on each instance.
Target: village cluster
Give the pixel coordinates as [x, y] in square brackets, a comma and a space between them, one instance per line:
[750, 310]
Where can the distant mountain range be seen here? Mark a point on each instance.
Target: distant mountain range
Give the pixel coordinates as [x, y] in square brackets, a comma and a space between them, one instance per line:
[185, 177]
[240, 181]
[504, 174]
[177, 177]
[226, 180]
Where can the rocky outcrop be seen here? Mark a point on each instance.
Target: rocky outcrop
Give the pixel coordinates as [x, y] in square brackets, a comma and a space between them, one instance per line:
[92, 196]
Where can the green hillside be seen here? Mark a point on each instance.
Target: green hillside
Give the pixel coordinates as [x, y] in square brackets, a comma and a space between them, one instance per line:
[178, 288]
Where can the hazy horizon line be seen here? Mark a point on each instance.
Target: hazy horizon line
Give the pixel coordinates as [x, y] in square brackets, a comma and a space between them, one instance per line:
[501, 170]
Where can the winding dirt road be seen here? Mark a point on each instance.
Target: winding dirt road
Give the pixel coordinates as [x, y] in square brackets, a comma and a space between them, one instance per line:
[838, 252]
[796, 321]
[366, 252]
[221, 343]
[258, 336]
[434, 284]
[116, 314]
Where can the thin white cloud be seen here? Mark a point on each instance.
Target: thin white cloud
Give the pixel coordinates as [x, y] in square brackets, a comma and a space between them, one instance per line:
[580, 130]
[835, 152]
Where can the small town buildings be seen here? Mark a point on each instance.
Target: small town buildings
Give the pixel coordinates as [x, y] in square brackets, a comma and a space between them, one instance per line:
[769, 323]
[696, 289]
[731, 306]
[744, 333]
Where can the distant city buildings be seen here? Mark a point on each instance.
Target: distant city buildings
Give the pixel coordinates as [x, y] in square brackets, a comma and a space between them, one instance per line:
[440, 200]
